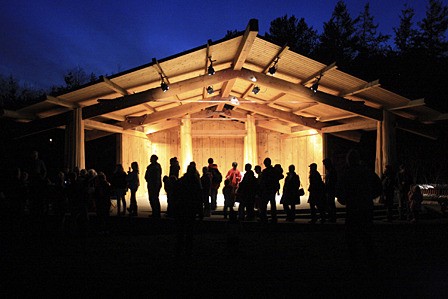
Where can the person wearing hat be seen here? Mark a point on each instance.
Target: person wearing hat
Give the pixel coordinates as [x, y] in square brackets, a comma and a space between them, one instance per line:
[153, 177]
[316, 197]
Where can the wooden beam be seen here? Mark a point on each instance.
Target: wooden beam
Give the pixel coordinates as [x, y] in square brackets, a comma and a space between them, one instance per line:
[16, 115]
[361, 125]
[163, 125]
[318, 73]
[96, 125]
[336, 117]
[273, 126]
[354, 136]
[246, 44]
[218, 133]
[114, 86]
[61, 102]
[303, 106]
[276, 58]
[415, 128]
[410, 104]
[95, 134]
[361, 88]
[321, 97]
[284, 116]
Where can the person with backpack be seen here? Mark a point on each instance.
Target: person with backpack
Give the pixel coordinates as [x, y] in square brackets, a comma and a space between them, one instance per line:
[216, 181]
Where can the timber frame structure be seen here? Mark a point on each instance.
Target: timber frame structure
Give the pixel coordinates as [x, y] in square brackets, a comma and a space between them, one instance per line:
[242, 90]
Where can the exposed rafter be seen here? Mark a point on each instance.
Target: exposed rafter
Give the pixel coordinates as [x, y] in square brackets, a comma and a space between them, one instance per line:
[318, 73]
[246, 44]
[361, 125]
[276, 58]
[410, 104]
[114, 86]
[61, 102]
[361, 88]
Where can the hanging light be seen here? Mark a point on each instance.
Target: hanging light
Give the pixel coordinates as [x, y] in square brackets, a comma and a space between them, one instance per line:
[210, 90]
[273, 68]
[234, 101]
[255, 90]
[163, 84]
[315, 85]
[211, 70]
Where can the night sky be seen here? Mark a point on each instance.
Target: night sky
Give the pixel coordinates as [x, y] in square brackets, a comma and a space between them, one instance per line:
[41, 40]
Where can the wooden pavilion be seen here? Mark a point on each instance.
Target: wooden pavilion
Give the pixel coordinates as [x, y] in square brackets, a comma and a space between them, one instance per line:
[239, 99]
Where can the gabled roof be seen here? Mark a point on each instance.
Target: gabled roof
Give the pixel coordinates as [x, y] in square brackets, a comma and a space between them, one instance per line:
[285, 102]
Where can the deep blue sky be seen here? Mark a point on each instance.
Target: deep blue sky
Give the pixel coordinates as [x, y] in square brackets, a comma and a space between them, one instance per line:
[41, 39]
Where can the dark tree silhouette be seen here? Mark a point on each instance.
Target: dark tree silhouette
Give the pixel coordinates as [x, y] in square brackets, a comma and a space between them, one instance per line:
[405, 33]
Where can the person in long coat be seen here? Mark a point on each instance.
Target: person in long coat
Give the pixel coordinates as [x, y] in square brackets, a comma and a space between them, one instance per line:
[290, 197]
[153, 177]
[316, 197]
[246, 193]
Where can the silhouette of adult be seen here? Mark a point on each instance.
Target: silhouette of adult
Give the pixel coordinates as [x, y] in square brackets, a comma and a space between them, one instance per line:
[291, 197]
[415, 198]
[331, 179]
[388, 181]
[234, 177]
[269, 182]
[356, 189]
[247, 190]
[316, 197]
[188, 193]
[174, 167]
[37, 174]
[206, 182]
[102, 202]
[153, 177]
[119, 188]
[405, 181]
[216, 181]
[133, 182]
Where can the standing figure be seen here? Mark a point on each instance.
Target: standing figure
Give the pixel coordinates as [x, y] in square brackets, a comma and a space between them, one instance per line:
[133, 184]
[388, 181]
[331, 179]
[234, 176]
[269, 181]
[206, 182]
[102, 195]
[291, 197]
[247, 190]
[216, 181]
[153, 177]
[229, 201]
[119, 187]
[316, 198]
[415, 198]
[174, 168]
[169, 183]
[405, 181]
[357, 187]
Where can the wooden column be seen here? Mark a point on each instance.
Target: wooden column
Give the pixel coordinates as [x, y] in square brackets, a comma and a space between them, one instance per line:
[186, 143]
[119, 149]
[74, 141]
[385, 143]
[250, 142]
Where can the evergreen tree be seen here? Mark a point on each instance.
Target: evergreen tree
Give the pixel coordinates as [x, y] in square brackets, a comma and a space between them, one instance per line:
[405, 34]
[338, 40]
[295, 33]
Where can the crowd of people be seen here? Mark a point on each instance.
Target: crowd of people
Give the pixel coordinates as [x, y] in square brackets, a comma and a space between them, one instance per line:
[194, 195]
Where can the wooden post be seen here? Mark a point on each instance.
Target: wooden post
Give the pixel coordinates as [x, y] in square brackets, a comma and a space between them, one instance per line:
[250, 142]
[74, 141]
[186, 143]
[119, 149]
[385, 143]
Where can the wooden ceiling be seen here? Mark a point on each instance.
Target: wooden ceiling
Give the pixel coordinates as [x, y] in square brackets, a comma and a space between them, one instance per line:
[133, 100]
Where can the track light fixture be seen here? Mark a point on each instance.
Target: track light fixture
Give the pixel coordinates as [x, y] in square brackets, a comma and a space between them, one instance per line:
[315, 85]
[234, 101]
[255, 90]
[163, 84]
[210, 90]
[211, 70]
[273, 68]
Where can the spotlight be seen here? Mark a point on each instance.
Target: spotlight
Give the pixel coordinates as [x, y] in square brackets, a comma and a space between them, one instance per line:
[315, 85]
[273, 68]
[164, 86]
[234, 101]
[211, 70]
[256, 90]
[253, 78]
[210, 90]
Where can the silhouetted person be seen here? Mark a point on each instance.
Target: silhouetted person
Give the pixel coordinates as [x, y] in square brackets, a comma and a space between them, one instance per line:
[388, 182]
[119, 188]
[291, 197]
[331, 179]
[206, 182]
[216, 181]
[247, 190]
[257, 170]
[404, 181]
[37, 175]
[59, 199]
[153, 177]
[133, 182]
[187, 194]
[234, 177]
[357, 187]
[174, 167]
[269, 184]
[316, 197]
[102, 202]
[169, 183]
[229, 201]
[415, 198]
